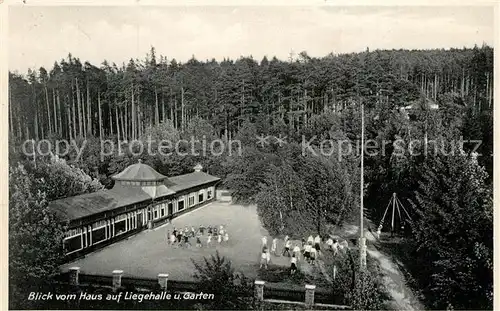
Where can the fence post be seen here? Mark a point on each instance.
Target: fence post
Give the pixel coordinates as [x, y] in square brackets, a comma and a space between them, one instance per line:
[117, 279]
[73, 275]
[259, 290]
[163, 280]
[310, 295]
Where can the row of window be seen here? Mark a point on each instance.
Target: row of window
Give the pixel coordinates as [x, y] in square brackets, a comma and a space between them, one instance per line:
[79, 238]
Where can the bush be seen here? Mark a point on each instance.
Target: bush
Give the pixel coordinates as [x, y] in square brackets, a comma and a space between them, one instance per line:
[217, 276]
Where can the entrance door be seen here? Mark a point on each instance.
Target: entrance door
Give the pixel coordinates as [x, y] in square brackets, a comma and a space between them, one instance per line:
[170, 209]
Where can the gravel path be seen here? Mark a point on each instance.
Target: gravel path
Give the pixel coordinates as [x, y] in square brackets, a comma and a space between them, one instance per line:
[402, 296]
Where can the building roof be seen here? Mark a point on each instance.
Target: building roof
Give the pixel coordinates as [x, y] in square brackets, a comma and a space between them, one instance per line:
[157, 191]
[139, 172]
[92, 203]
[80, 206]
[191, 180]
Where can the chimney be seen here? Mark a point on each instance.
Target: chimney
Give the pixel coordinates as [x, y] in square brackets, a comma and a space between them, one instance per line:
[198, 168]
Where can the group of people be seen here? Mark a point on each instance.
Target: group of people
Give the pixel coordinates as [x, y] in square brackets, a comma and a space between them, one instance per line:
[310, 249]
[181, 238]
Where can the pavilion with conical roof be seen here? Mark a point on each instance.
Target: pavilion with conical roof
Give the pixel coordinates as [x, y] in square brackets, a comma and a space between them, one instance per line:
[140, 199]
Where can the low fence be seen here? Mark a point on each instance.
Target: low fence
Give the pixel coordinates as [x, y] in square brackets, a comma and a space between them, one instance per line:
[307, 296]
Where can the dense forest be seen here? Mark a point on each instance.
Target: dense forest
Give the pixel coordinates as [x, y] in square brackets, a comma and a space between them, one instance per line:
[72, 99]
[448, 252]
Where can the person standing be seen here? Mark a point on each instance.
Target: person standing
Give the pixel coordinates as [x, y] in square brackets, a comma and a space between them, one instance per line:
[286, 250]
[313, 255]
[186, 240]
[209, 240]
[263, 258]
[274, 246]
[296, 252]
[335, 247]
[264, 241]
[310, 240]
[307, 251]
[198, 240]
[329, 243]
[293, 265]
[317, 242]
[226, 238]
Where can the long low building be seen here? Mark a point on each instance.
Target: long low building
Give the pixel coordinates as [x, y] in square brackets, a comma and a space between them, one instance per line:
[141, 199]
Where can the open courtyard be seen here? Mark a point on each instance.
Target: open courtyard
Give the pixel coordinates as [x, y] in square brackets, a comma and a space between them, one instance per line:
[147, 254]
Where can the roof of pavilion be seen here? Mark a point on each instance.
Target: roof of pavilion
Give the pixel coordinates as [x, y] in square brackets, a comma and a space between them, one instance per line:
[84, 205]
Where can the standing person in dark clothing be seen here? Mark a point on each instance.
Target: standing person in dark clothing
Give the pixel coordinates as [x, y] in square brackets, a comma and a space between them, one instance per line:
[286, 250]
[186, 240]
[198, 240]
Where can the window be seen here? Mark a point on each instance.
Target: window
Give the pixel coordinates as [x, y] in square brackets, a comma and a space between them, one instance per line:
[191, 201]
[120, 225]
[99, 224]
[73, 244]
[155, 212]
[73, 232]
[180, 205]
[209, 193]
[201, 195]
[121, 217]
[98, 235]
[162, 210]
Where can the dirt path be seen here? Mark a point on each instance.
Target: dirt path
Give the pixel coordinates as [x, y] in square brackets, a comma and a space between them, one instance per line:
[394, 281]
[402, 296]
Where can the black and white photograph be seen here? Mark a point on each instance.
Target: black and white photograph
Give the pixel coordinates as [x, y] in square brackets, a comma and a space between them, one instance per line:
[249, 157]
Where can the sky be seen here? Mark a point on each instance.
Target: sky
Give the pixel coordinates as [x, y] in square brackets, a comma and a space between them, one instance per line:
[41, 35]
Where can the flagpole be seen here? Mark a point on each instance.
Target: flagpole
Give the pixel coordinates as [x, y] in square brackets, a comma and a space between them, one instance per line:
[362, 240]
